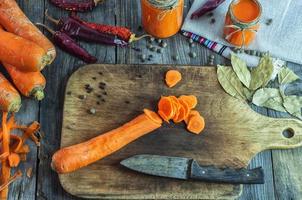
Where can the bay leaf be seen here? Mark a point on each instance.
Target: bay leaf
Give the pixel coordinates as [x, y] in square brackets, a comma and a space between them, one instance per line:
[262, 73]
[230, 82]
[286, 76]
[248, 94]
[241, 70]
[269, 98]
[293, 105]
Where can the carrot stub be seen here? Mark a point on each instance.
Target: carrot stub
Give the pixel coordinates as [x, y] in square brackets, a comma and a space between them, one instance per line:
[10, 100]
[71, 158]
[30, 84]
[172, 78]
[15, 21]
[153, 116]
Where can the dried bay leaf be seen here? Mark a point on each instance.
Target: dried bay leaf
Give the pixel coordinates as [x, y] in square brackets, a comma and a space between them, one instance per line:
[248, 94]
[293, 105]
[241, 70]
[269, 98]
[286, 76]
[262, 73]
[230, 82]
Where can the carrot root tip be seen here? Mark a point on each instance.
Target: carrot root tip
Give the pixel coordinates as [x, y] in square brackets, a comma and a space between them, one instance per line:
[52, 54]
[46, 59]
[38, 93]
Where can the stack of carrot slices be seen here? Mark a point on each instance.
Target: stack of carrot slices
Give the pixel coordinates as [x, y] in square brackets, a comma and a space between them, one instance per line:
[181, 109]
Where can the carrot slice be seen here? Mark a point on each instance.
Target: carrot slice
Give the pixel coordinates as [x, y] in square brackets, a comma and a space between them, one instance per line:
[172, 78]
[13, 160]
[196, 124]
[181, 114]
[163, 116]
[191, 100]
[153, 116]
[174, 105]
[186, 108]
[166, 108]
[191, 114]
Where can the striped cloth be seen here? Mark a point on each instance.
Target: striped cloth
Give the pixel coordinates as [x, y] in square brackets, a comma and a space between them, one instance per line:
[225, 51]
[222, 50]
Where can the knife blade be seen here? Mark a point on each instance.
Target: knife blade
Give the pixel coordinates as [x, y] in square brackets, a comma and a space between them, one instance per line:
[188, 168]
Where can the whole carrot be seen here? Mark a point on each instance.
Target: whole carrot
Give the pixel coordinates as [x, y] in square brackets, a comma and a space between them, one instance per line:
[10, 100]
[74, 157]
[15, 21]
[30, 84]
[22, 53]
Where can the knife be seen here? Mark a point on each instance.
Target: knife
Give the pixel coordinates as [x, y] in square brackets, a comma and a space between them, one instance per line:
[187, 168]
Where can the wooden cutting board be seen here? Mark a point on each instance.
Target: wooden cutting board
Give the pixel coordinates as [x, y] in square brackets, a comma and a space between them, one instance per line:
[234, 133]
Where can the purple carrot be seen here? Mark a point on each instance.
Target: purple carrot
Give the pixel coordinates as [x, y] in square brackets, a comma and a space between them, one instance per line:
[66, 43]
[76, 29]
[76, 5]
[207, 7]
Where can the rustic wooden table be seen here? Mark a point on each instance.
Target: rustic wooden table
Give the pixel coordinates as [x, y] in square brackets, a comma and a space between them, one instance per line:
[282, 167]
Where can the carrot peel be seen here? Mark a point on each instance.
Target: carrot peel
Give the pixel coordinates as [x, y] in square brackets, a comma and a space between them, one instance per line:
[13, 160]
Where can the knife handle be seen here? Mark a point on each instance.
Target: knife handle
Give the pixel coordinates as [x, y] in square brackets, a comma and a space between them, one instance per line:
[227, 175]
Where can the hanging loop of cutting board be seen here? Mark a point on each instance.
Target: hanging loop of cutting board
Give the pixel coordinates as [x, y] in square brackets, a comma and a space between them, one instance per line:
[234, 133]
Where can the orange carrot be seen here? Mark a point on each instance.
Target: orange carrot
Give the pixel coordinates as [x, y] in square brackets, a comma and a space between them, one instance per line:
[10, 100]
[166, 108]
[191, 100]
[163, 116]
[153, 116]
[5, 168]
[30, 84]
[80, 155]
[186, 108]
[172, 78]
[181, 115]
[13, 160]
[3, 156]
[14, 20]
[196, 124]
[21, 53]
[191, 114]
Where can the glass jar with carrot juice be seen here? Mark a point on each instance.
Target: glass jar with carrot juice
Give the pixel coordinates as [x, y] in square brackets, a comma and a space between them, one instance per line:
[162, 18]
[242, 22]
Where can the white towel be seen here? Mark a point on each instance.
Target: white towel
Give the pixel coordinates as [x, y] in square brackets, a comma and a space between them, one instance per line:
[282, 38]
